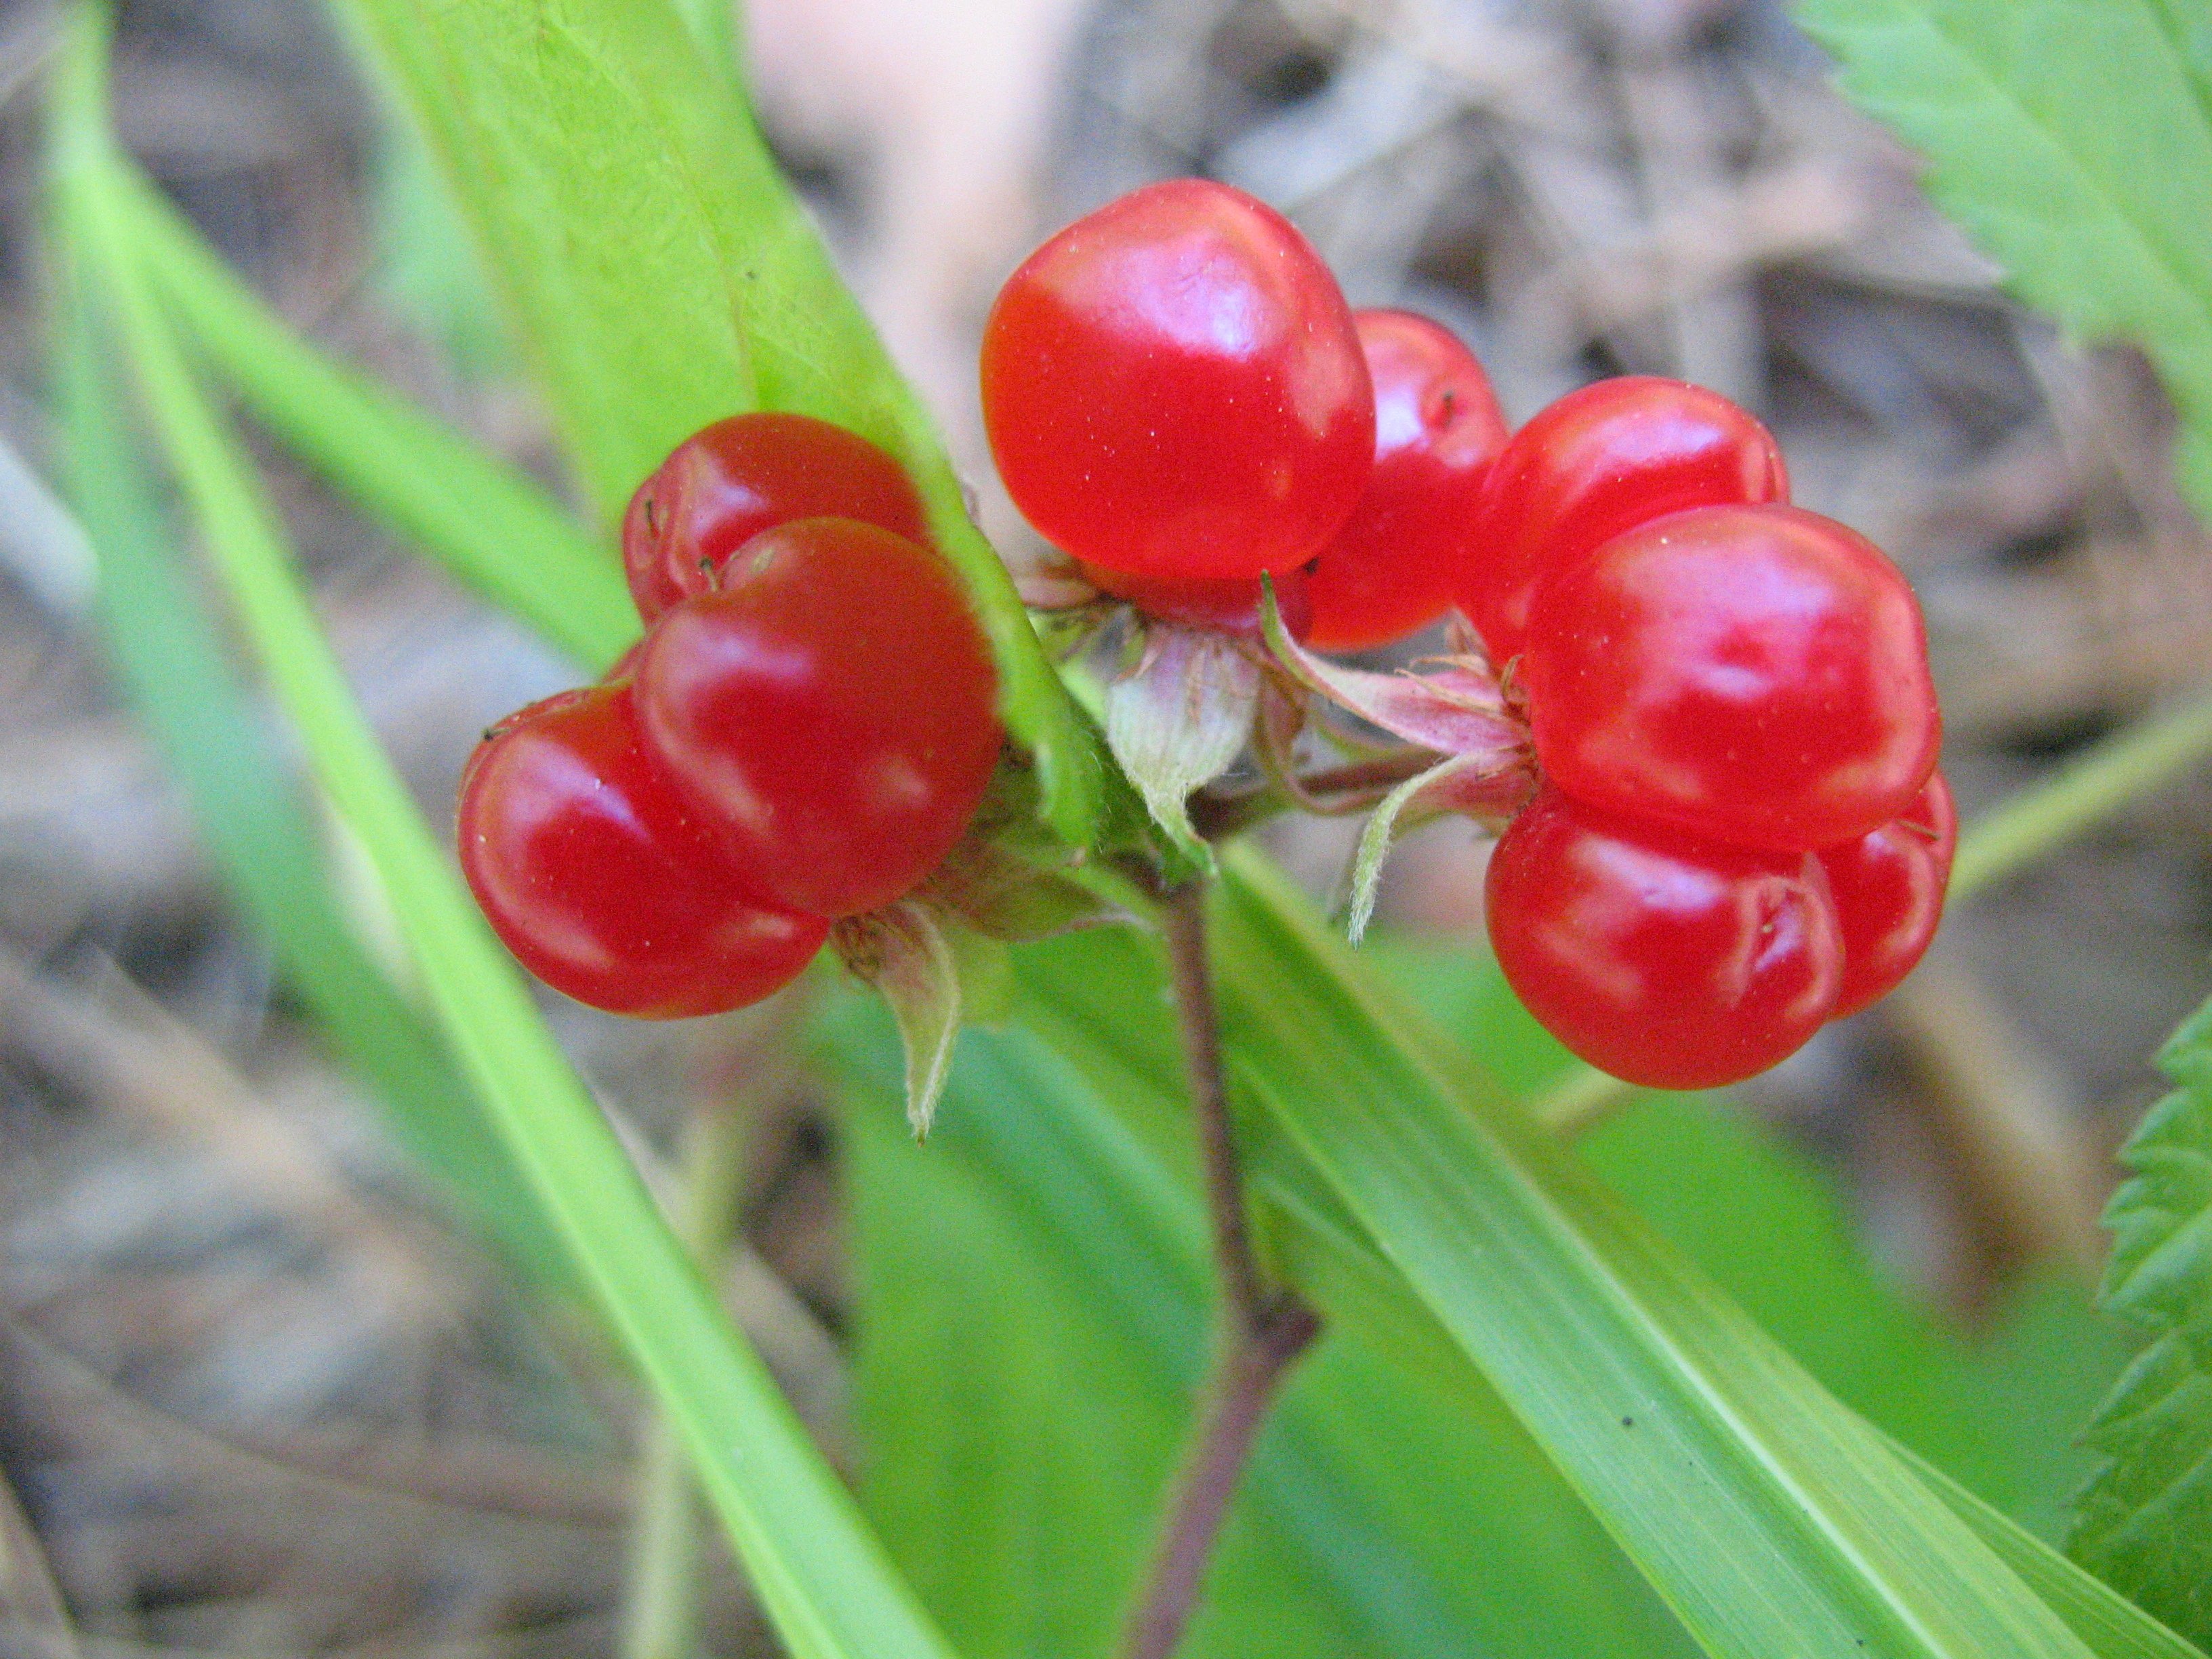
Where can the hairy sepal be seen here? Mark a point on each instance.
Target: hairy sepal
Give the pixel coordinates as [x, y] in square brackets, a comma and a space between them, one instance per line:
[1488, 788]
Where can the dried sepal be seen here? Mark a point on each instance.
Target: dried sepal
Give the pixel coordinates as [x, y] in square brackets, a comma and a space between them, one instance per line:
[1177, 720]
[902, 952]
[1455, 708]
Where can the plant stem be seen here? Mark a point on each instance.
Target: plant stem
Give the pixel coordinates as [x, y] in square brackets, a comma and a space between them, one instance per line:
[660, 1609]
[2101, 781]
[1252, 1363]
[1262, 1333]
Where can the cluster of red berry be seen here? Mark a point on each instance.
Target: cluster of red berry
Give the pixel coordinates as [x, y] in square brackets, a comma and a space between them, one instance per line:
[803, 734]
[1740, 832]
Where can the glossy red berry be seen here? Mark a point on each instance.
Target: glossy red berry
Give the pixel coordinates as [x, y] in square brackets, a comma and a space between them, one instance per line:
[1888, 889]
[1231, 606]
[602, 881]
[1395, 566]
[1173, 388]
[831, 707]
[1759, 674]
[724, 485]
[1596, 462]
[1668, 960]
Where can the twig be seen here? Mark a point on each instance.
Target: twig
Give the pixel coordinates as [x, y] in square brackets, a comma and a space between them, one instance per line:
[1263, 1330]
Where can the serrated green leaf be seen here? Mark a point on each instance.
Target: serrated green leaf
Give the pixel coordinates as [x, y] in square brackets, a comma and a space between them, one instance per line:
[2073, 140]
[2145, 1523]
[662, 275]
[819, 1575]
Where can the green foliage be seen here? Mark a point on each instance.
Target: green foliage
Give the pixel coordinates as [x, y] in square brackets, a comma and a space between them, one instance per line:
[662, 275]
[1032, 1299]
[1772, 1519]
[2073, 140]
[1039, 1330]
[2146, 1523]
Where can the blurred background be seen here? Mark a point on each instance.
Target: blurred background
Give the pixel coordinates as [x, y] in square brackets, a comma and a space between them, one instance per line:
[257, 1396]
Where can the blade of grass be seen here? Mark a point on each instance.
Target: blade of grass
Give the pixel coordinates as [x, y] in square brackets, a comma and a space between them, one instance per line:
[821, 1577]
[497, 531]
[161, 641]
[1770, 1520]
[662, 275]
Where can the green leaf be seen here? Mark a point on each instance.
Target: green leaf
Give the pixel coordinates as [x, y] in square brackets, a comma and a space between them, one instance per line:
[1772, 1520]
[494, 529]
[662, 275]
[162, 642]
[2073, 139]
[1031, 1292]
[819, 1575]
[2145, 1524]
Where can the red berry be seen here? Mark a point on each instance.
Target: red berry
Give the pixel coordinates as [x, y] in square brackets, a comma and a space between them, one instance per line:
[831, 707]
[724, 485]
[601, 881]
[1173, 388]
[1759, 674]
[1393, 566]
[1888, 888]
[1596, 462]
[1231, 606]
[1668, 960]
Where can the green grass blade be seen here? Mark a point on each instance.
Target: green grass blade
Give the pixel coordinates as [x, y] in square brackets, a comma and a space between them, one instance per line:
[2073, 140]
[820, 1576]
[496, 530]
[1770, 1520]
[662, 275]
[2108, 1623]
[162, 642]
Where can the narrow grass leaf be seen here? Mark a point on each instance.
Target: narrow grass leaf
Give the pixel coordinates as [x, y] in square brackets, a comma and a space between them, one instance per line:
[497, 531]
[1770, 1520]
[820, 1576]
[162, 642]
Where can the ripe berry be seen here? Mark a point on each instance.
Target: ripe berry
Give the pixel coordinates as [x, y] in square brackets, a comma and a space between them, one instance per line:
[1173, 388]
[1394, 566]
[1231, 606]
[831, 707]
[1596, 462]
[1888, 888]
[724, 485]
[602, 881]
[1668, 960]
[1759, 674]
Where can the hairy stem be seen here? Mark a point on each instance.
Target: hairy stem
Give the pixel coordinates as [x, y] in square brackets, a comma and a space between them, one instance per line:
[1262, 1333]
